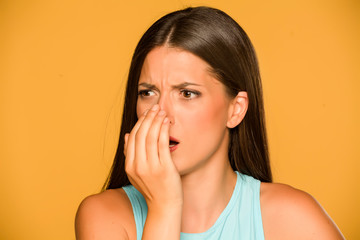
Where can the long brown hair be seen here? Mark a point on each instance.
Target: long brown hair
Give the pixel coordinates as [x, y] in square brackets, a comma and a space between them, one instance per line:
[216, 38]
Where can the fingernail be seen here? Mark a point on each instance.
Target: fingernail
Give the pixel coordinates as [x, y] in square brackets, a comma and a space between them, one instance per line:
[161, 113]
[155, 107]
[166, 120]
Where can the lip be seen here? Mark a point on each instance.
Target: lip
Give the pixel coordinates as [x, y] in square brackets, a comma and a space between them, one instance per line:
[176, 146]
[174, 139]
[173, 148]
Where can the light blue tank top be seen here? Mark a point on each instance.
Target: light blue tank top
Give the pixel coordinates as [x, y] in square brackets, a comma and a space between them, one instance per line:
[241, 218]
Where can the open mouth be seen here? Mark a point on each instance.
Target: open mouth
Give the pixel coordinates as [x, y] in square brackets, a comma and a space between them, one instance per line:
[173, 142]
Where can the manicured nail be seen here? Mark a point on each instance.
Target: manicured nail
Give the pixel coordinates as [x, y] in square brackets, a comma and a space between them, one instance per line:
[155, 107]
[166, 120]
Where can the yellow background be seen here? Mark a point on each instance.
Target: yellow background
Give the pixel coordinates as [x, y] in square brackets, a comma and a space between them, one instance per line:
[63, 64]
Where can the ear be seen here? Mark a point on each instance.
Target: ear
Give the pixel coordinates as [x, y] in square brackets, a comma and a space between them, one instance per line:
[237, 109]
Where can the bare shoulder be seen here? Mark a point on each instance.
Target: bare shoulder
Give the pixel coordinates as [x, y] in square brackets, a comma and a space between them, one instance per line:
[289, 213]
[106, 215]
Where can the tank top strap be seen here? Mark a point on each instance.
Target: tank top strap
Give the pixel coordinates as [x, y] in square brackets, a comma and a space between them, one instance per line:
[249, 208]
[139, 208]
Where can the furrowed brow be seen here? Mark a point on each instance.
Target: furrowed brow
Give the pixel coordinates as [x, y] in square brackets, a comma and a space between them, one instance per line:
[178, 86]
[148, 86]
[184, 85]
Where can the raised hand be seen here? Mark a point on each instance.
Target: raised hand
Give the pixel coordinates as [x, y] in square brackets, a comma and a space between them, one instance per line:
[148, 161]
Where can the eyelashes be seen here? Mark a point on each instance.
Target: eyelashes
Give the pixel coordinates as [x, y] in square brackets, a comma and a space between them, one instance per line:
[146, 93]
[186, 94]
[189, 94]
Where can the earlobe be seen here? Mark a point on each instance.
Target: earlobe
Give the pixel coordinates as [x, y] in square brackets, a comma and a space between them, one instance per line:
[237, 109]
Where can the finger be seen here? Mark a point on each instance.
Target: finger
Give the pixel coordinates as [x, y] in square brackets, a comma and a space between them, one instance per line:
[152, 138]
[141, 134]
[130, 148]
[164, 151]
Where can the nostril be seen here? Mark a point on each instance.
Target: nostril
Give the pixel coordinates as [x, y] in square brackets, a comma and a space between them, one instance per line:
[172, 121]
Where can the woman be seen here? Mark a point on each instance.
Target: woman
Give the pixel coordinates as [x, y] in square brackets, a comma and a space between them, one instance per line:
[192, 160]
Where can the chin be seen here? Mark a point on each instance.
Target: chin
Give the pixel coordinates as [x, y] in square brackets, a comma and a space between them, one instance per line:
[185, 166]
[180, 165]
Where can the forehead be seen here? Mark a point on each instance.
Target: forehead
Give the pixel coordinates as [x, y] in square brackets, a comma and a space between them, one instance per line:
[174, 65]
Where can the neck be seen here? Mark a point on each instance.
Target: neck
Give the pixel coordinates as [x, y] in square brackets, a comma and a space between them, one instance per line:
[207, 192]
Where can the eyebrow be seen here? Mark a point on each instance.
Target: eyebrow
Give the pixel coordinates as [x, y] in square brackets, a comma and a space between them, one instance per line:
[148, 85]
[178, 86]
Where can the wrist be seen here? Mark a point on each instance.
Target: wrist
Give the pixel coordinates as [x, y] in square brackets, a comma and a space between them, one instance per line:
[163, 222]
[174, 207]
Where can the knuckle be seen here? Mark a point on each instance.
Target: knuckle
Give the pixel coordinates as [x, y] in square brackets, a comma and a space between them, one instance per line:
[128, 170]
[157, 171]
[139, 171]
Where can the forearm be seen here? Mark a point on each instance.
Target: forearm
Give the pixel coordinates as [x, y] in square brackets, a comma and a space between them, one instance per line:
[163, 224]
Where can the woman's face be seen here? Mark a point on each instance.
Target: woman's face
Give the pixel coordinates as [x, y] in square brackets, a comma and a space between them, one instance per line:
[195, 102]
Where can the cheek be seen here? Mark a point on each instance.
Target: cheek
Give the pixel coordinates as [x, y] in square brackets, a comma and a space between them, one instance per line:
[142, 106]
[208, 119]
[139, 109]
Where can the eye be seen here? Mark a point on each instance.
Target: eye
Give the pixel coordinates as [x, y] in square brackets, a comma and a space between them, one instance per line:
[146, 93]
[189, 94]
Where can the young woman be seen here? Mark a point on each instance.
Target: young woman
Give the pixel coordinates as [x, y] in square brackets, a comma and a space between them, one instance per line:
[192, 160]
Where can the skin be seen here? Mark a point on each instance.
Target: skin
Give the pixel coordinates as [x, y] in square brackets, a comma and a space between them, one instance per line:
[188, 188]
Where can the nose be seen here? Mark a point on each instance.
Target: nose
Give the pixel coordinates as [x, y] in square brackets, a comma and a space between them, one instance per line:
[166, 105]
